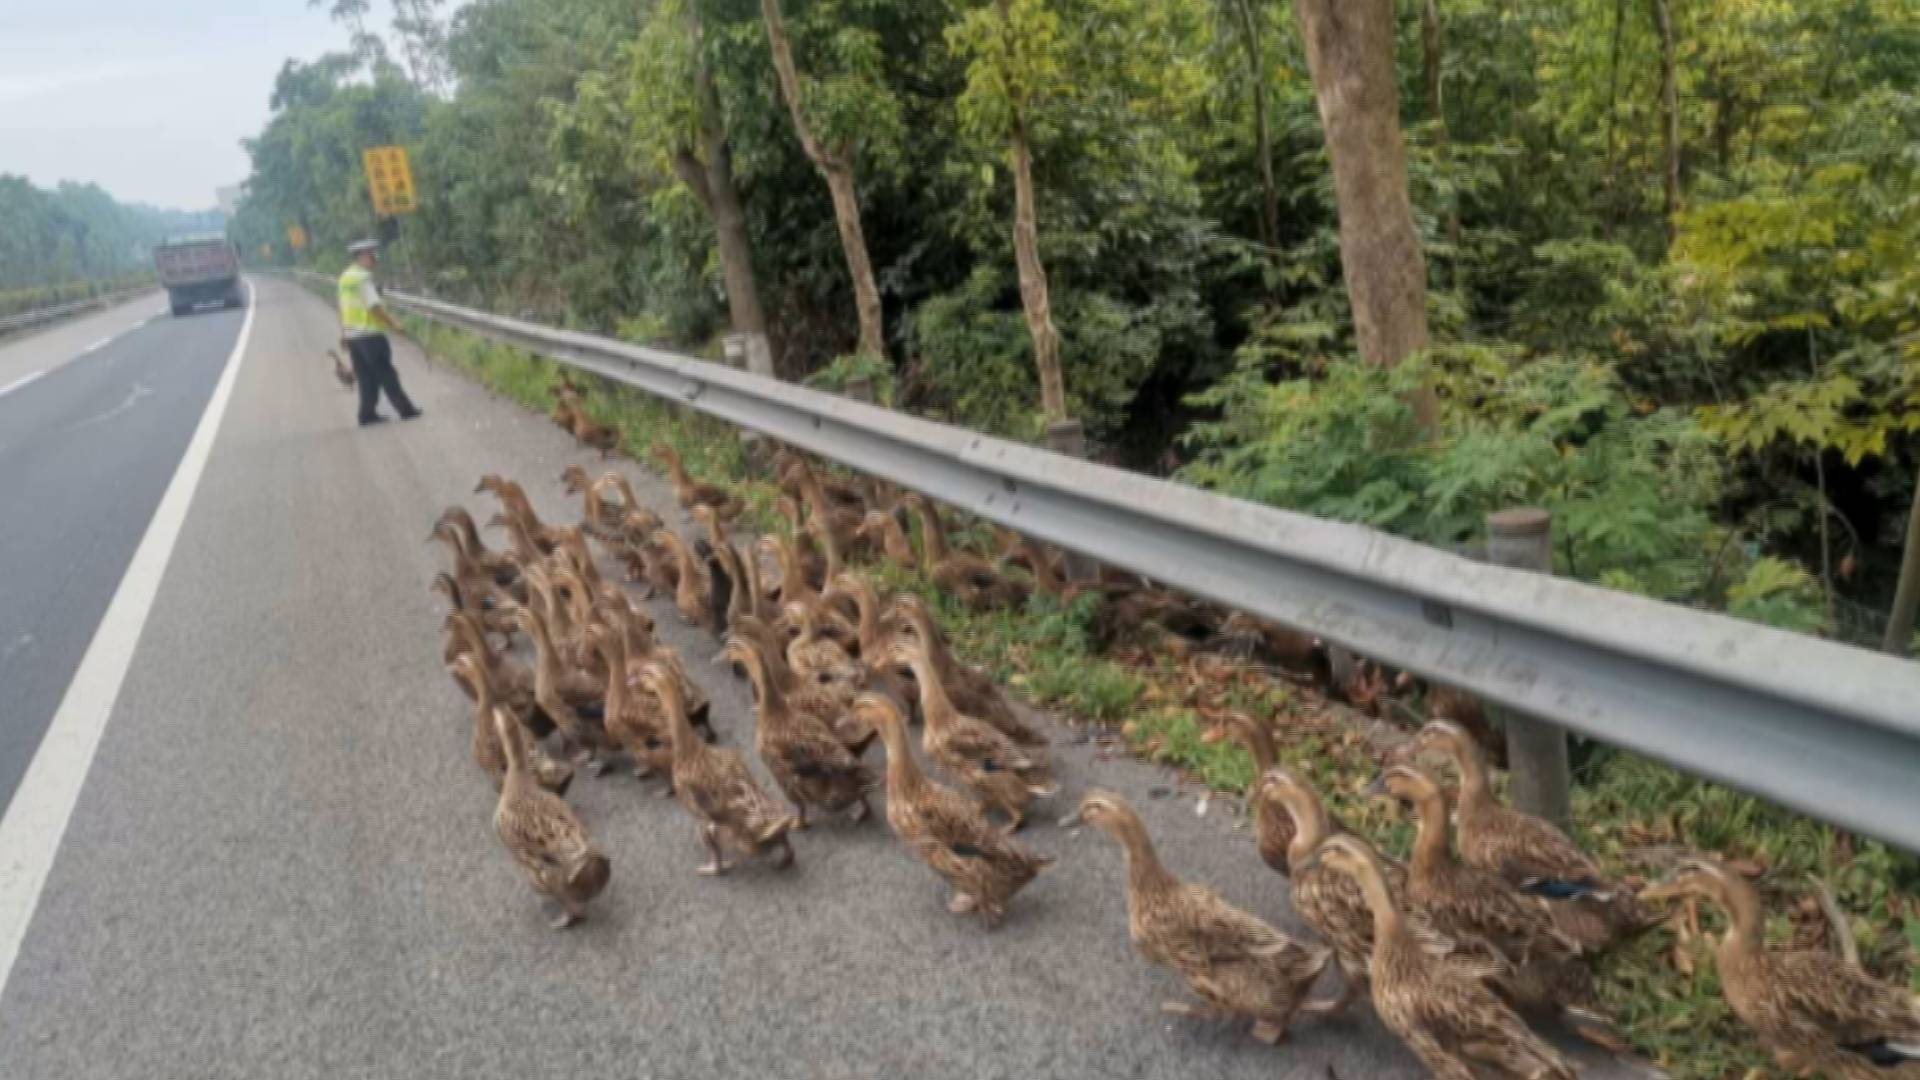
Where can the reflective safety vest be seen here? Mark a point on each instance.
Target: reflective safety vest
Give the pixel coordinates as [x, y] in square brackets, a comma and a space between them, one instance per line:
[356, 318]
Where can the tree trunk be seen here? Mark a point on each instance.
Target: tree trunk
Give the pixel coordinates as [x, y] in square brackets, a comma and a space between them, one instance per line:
[838, 171]
[1262, 127]
[729, 218]
[1350, 51]
[1726, 112]
[1906, 597]
[1613, 118]
[1670, 113]
[710, 178]
[1437, 105]
[1430, 42]
[1034, 295]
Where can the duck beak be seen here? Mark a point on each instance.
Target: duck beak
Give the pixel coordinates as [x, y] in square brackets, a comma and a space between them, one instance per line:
[1073, 820]
[1378, 788]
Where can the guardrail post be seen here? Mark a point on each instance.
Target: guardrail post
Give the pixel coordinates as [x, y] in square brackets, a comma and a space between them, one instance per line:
[1537, 768]
[749, 351]
[754, 351]
[1069, 437]
[860, 388]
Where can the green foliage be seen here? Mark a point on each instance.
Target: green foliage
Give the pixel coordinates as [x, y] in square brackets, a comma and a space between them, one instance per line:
[1631, 490]
[74, 237]
[41, 297]
[1912, 928]
[840, 374]
[1778, 593]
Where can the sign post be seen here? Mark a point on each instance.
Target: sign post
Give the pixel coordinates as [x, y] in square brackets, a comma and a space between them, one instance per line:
[390, 182]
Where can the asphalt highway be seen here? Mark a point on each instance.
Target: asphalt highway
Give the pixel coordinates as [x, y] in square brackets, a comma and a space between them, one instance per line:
[93, 416]
[281, 862]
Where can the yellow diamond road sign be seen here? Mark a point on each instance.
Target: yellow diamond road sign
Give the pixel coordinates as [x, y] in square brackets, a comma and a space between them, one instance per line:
[297, 237]
[390, 180]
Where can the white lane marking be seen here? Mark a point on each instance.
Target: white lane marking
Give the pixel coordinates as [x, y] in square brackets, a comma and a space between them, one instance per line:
[31, 832]
[101, 344]
[18, 383]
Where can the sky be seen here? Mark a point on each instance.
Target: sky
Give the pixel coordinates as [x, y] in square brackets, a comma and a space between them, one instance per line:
[147, 98]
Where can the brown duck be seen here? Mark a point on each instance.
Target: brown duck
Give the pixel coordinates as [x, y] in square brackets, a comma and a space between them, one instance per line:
[1238, 965]
[542, 834]
[1001, 774]
[970, 579]
[1542, 967]
[1530, 853]
[1436, 1000]
[809, 762]
[551, 773]
[970, 689]
[946, 830]
[1818, 1014]
[1330, 902]
[715, 786]
[690, 492]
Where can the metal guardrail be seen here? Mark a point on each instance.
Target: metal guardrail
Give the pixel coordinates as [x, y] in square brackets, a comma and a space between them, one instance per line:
[28, 320]
[1823, 728]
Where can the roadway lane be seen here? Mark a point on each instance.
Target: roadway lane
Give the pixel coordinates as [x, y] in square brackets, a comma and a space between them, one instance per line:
[88, 441]
[36, 352]
[282, 863]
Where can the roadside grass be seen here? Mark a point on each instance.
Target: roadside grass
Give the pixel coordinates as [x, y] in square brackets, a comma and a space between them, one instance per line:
[38, 297]
[1636, 815]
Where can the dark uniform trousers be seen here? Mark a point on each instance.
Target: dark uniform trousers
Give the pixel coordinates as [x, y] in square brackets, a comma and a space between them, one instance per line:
[373, 371]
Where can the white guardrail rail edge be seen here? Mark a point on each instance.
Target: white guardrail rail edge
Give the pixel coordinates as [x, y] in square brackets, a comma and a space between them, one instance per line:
[27, 320]
[1823, 728]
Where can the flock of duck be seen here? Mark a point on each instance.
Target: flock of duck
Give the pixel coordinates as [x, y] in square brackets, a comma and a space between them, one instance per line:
[1494, 917]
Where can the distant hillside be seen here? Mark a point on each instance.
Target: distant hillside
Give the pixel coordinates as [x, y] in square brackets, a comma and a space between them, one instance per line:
[78, 232]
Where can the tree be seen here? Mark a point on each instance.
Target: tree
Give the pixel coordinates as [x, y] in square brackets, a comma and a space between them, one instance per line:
[423, 42]
[678, 119]
[1248, 18]
[75, 234]
[1015, 62]
[836, 166]
[1350, 51]
[365, 44]
[1669, 112]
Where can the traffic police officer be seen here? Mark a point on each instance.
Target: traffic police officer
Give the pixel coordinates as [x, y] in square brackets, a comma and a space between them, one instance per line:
[364, 322]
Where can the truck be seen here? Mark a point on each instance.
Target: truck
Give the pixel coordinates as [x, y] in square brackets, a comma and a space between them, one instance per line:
[199, 270]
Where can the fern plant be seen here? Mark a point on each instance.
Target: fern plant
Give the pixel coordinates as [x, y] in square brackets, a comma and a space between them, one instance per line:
[1632, 487]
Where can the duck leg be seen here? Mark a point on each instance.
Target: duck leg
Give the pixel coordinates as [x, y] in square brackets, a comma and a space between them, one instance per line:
[561, 914]
[1269, 1032]
[1352, 986]
[1192, 1010]
[710, 834]
[783, 859]
[862, 810]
